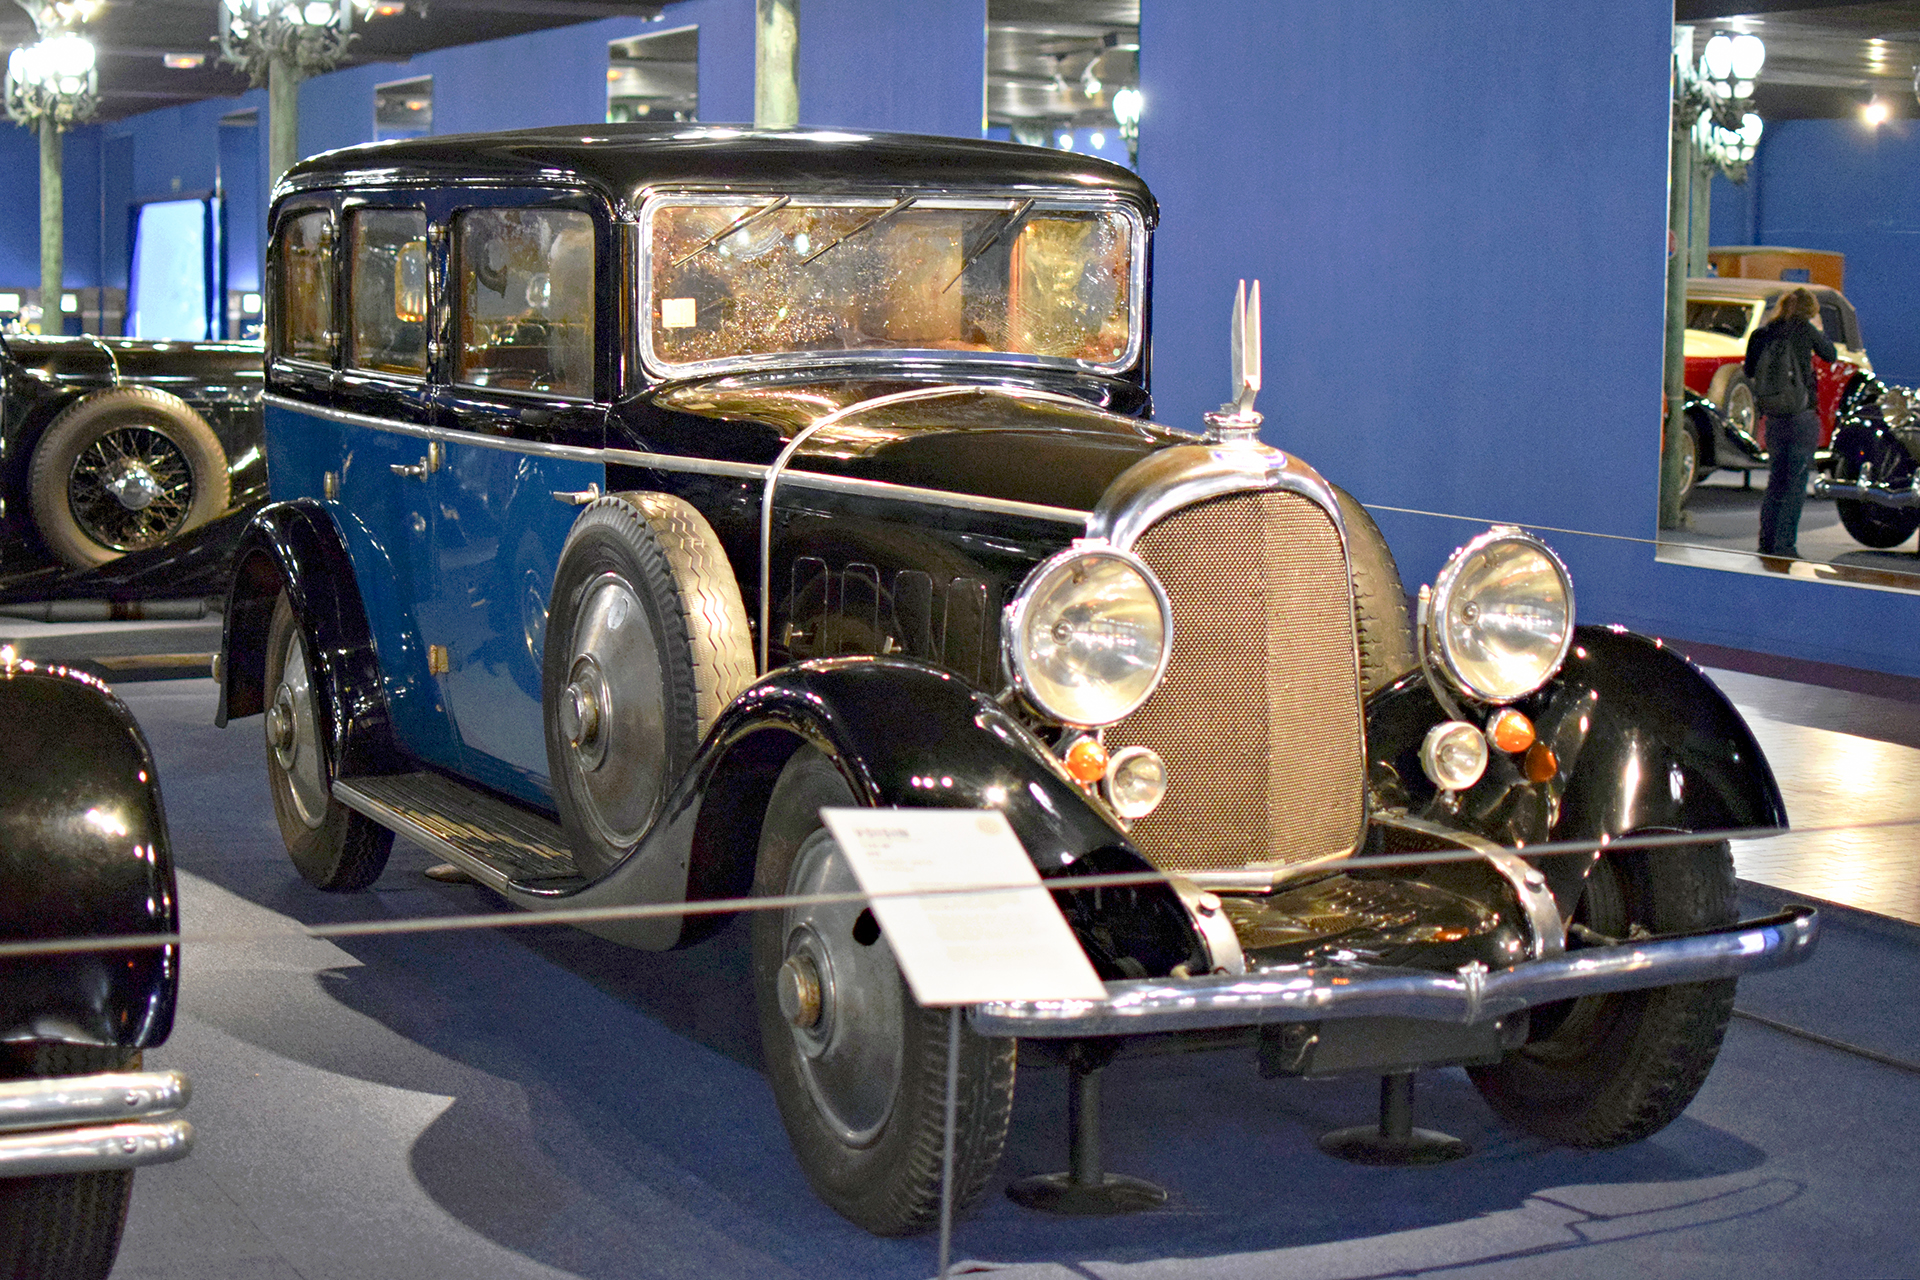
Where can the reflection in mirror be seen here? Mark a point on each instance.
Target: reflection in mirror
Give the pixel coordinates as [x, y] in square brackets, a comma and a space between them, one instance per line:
[654, 77]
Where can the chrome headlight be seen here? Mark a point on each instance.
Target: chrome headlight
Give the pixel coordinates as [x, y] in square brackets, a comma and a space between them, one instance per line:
[1500, 618]
[1088, 635]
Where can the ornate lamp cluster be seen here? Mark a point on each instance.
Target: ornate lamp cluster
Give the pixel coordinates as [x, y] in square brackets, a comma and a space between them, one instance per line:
[1713, 101]
[306, 36]
[54, 79]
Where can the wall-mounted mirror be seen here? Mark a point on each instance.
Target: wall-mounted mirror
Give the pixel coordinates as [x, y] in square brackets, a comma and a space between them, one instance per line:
[654, 77]
[403, 109]
[1828, 200]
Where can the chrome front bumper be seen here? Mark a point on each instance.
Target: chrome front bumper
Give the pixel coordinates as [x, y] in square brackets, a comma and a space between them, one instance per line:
[82, 1124]
[1472, 994]
[1904, 499]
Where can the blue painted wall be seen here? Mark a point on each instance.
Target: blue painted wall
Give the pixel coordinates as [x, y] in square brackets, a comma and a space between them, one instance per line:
[20, 207]
[1458, 208]
[1836, 184]
[882, 64]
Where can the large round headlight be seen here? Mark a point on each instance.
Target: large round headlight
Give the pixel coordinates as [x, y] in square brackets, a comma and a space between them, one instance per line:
[1501, 616]
[1088, 635]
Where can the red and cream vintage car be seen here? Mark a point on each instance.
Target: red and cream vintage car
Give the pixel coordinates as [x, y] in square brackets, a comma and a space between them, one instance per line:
[1721, 315]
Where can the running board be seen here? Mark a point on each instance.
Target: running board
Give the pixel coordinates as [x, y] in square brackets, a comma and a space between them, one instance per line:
[501, 845]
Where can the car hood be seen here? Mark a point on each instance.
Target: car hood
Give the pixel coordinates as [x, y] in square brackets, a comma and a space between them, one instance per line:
[1015, 444]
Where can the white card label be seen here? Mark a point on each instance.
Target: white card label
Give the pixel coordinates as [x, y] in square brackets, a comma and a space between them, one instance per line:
[959, 947]
[678, 313]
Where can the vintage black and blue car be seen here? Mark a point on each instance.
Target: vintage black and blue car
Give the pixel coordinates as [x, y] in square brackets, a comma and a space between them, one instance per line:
[639, 491]
[84, 859]
[128, 467]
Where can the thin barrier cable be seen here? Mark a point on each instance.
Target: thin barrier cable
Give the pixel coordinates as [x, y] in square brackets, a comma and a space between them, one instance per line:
[518, 919]
[1844, 1046]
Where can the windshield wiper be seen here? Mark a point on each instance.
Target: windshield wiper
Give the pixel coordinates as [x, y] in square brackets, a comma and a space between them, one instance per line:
[739, 223]
[1007, 224]
[898, 206]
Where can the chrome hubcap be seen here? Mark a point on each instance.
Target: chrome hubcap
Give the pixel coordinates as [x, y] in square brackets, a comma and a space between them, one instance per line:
[842, 998]
[613, 713]
[293, 736]
[132, 484]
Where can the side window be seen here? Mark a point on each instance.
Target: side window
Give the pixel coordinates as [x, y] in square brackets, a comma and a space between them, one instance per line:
[306, 288]
[1831, 324]
[525, 300]
[388, 291]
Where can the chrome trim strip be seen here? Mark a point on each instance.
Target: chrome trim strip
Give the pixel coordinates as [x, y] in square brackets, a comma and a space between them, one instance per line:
[98, 1147]
[108, 1096]
[754, 471]
[841, 414]
[1164, 482]
[1529, 886]
[1313, 993]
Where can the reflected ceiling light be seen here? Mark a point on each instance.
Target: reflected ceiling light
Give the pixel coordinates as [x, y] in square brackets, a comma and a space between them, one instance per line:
[1875, 113]
[183, 61]
[1065, 140]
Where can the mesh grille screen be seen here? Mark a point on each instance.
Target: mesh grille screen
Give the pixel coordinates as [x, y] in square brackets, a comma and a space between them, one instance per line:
[1258, 717]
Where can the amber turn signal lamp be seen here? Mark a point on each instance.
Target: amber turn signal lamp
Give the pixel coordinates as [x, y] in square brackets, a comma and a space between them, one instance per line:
[1510, 731]
[1087, 761]
[1540, 763]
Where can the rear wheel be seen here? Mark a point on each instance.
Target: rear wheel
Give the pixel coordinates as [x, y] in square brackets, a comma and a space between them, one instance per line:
[1689, 466]
[857, 1068]
[1873, 525]
[1607, 1070]
[63, 1226]
[332, 846]
[1738, 405]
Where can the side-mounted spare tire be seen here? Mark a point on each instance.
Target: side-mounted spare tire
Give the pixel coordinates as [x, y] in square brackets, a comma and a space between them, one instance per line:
[647, 643]
[122, 470]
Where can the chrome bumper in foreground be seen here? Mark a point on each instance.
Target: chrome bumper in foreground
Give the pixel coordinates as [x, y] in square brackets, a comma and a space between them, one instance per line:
[1879, 495]
[81, 1124]
[1314, 993]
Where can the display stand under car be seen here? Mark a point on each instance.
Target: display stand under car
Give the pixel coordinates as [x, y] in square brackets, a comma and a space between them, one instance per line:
[639, 492]
[84, 858]
[127, 467]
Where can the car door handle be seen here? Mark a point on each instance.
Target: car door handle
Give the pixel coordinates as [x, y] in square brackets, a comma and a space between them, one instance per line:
[578, 497]
[423, 468]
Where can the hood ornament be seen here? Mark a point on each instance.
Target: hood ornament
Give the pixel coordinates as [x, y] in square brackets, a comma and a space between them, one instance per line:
[1235, 422]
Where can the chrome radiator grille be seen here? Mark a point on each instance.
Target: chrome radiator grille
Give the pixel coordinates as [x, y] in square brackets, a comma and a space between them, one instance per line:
[1258, 718]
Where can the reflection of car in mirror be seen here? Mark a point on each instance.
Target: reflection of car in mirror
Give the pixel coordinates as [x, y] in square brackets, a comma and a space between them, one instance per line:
[730, 475]
[83, 857]
[1721, 315]
[121, 449]
[1874, 480]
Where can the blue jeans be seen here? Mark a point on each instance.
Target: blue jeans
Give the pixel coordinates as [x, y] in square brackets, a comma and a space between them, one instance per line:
[1790, 444]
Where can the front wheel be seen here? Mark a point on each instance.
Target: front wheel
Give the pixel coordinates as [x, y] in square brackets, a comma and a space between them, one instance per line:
[858, 1069]
[1742, 414]
[332, 846]
[1873, 525]
[63, 1226]
[1607, 1070]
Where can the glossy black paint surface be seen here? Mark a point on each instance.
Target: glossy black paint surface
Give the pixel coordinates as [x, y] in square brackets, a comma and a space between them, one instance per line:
[295, 545]
[1645, 742]
[1861, 437]
[41, 376]
[83, 854]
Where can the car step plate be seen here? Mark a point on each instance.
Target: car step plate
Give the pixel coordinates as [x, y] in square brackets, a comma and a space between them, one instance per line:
[503, 846]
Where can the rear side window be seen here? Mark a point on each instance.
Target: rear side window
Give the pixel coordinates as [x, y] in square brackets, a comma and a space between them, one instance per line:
[388, 291]
[525, 300]
[306, 288]
[1831, 323]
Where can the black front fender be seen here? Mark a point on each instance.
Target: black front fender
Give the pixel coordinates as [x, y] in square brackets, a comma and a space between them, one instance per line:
[83, 854]
[296, 546]
[1642, 739]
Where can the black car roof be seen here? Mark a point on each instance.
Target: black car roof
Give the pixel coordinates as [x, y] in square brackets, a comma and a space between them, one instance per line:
[621, 160]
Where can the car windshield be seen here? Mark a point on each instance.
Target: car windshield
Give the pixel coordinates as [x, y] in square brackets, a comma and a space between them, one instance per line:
[1728, 319]
[733, 278]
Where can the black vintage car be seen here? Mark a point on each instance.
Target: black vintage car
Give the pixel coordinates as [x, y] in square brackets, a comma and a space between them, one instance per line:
[128, 467]
[1874, 479]
[84, 859]
[638, 491]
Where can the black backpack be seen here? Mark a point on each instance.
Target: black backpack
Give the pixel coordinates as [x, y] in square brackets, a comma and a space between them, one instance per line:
[1778, 390]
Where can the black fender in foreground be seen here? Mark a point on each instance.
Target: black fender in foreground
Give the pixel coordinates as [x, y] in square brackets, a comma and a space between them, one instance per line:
[1644, 742]
[903, 734]
[83, 854]
[295, 545]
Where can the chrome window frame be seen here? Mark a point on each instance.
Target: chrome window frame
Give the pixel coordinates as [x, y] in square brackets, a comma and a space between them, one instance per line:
[1045, 198]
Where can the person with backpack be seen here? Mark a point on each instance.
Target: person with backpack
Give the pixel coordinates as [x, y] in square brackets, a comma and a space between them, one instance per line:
[1779, 364]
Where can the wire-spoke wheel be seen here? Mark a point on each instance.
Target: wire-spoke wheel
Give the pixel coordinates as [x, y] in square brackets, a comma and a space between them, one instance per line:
[124, 470]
